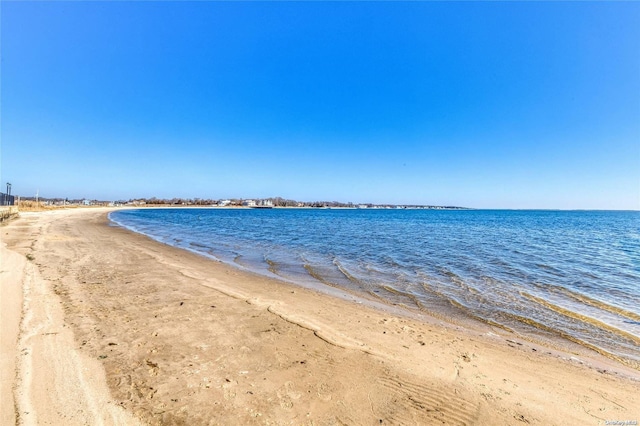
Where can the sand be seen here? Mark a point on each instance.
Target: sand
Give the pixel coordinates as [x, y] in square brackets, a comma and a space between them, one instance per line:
[104, 326]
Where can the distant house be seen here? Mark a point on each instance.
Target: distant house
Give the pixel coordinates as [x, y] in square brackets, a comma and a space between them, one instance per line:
[224, 203]
[249, 203]
[86, 202]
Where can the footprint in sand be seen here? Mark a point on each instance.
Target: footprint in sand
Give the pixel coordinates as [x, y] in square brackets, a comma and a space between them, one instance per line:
[324, 391]
[153, 367]
[286, 403]
[287, 394]
[291, 392]
[229, 389]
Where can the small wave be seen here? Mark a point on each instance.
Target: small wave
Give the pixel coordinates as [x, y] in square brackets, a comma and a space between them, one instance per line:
[458, 280]
[550, 269]
[273, 266]
[590, 275]
[346, 273]
[315, 274]
[470, 313]
[409, 296]
[531, 322]
[447, 299]
[199, 245]
[582, 298]
[390, 261]
[464, 309]
[583, 318]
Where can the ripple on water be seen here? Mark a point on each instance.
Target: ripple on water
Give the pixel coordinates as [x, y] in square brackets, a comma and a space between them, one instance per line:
[570, 274]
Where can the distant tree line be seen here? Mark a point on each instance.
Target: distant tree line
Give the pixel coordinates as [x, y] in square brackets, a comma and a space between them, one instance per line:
[232, 202]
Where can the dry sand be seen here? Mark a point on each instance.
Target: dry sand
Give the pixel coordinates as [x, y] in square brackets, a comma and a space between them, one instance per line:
[104, 326]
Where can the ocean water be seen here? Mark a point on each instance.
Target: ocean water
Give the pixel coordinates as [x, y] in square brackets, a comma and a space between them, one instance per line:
[571, 275]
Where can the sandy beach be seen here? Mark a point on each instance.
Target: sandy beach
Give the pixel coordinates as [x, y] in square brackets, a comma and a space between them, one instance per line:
[104, 326]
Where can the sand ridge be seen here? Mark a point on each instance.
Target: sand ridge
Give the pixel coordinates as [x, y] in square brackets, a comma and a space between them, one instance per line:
[54, 382]
[12, 267]
[180, 339]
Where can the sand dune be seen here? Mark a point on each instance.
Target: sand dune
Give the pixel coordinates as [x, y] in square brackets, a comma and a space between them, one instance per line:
[119, 329]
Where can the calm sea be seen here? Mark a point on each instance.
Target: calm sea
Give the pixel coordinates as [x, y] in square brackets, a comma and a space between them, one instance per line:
[569, 274]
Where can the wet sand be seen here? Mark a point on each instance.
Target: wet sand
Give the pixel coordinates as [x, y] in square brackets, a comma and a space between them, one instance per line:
[116, 328]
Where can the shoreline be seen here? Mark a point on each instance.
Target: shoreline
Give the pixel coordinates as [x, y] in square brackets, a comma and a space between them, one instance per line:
[385, 295]
[180, 337]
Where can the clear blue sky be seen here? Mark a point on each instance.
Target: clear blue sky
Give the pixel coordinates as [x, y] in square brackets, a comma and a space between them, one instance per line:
[488, 105]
